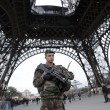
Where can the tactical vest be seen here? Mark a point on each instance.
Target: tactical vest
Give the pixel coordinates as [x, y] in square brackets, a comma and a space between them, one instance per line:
[50, 90]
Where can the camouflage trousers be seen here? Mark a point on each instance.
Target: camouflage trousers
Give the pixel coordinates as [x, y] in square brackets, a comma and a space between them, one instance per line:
[52, 104]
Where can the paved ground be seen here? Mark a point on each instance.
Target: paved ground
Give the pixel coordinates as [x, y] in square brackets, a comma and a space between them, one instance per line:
[95, 102]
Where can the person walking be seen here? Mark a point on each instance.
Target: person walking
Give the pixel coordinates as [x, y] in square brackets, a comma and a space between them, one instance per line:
[79, 95]
[105, 93]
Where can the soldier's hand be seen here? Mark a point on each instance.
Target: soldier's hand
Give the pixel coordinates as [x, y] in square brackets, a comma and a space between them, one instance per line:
[71, 75]
[48, 77]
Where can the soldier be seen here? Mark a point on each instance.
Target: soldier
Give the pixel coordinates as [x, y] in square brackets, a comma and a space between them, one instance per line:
[50, 88]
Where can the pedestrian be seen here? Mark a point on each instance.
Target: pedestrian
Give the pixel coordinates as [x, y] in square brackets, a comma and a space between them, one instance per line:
[89, 93]
[12, 103]
[73, 96]
[79, 95]
[48, 78]
[94, 92]
[105, 92]
[27, 102]
[64, 98]
[37, 100]
[69, 97]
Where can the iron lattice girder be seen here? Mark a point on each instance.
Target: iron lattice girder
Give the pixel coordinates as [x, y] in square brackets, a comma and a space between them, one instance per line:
[49, 27]
[8, 22]
[84, 21]
[27, 53]
[24, 26]
[16, 60]
[31, 47]
[103, 34]
[101, 47]
[90, 15]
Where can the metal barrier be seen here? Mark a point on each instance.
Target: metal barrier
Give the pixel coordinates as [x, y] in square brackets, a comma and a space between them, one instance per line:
[5, 105]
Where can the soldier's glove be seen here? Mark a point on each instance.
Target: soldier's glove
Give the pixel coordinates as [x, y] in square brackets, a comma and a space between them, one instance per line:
[63, 86]
[48, 77]
[59, 83]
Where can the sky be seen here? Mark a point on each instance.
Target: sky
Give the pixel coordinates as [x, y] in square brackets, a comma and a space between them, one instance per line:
[22, 77]
[49, 2]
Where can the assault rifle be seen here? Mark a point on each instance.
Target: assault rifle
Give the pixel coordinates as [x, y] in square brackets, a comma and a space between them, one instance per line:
[55, 71]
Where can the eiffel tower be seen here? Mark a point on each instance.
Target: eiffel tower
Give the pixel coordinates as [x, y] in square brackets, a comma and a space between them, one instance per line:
[79, 29]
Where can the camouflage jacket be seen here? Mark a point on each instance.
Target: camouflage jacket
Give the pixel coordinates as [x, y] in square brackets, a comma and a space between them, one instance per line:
[48, 89]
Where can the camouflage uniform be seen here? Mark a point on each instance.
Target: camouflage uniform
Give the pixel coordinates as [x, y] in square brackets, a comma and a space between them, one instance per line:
[51, 94]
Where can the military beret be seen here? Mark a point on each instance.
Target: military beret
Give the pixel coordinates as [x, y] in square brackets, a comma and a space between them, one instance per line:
[49, 51]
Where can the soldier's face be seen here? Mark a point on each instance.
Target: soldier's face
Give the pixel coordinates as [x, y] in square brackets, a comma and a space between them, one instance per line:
[49, 57]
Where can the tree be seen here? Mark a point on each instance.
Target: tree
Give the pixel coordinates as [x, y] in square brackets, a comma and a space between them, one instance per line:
[11, 92]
